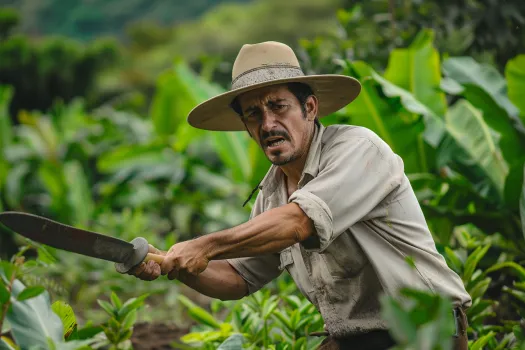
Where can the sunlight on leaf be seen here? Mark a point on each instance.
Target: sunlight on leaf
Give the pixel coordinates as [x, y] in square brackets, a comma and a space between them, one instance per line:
[66, 314]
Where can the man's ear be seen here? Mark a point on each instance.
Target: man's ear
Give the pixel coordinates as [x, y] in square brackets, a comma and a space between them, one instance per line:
[312, 107]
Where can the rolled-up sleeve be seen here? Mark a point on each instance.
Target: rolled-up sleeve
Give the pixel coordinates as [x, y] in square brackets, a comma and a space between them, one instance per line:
[356, 173]
[257, 271]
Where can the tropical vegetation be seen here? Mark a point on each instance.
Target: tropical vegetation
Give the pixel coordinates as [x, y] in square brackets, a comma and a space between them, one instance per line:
[131, 166]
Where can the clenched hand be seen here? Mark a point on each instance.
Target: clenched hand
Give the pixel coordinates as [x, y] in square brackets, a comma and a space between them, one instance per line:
[187, 257]
[150, 270]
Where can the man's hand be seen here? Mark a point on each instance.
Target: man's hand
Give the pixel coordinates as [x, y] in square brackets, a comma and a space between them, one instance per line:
[148, 271]
[187, 257]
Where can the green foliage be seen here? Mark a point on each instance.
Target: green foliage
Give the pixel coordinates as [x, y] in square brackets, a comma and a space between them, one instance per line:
[88, 19]
[122, 316]
[456, 122]
[32, 321]
[49, 70]
[262, 320]
[420, 321]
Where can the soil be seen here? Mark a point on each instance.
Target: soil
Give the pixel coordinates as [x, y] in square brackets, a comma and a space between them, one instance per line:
[156, 336]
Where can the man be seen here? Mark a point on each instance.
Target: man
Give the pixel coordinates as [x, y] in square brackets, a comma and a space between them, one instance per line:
[335, 209]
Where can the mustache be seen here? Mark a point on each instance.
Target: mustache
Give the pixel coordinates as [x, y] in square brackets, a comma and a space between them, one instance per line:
[266, 134]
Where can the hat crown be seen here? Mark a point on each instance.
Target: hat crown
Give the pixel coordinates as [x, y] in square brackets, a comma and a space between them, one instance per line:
[256, 56]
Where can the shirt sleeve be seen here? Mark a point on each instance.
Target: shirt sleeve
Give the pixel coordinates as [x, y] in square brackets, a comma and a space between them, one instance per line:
[259, 270]
[356, 173]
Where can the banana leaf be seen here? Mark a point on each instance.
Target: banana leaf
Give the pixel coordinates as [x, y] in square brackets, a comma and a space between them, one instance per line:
[417, 70]
[466, 71]
[32, 321]
[6, 132]
[522, 206]
[515, 74]
[180, 91]
[478, 142]
[395, 127]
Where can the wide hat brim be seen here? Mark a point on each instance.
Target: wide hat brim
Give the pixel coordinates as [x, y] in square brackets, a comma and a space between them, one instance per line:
[333, 92]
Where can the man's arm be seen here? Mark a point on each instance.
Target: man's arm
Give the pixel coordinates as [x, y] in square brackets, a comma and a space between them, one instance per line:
[267, 233]
[219, 280]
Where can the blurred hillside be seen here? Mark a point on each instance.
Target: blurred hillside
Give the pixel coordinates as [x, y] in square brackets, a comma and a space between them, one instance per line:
[87, 19]
[113, 51]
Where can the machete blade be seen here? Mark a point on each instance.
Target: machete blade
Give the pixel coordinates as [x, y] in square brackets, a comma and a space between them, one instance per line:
[69, 238]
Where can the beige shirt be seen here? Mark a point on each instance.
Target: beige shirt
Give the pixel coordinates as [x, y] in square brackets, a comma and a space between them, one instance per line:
[368, 222]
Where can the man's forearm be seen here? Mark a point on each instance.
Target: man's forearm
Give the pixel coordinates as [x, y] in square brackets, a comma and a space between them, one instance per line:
[219, 280]
[269, 232]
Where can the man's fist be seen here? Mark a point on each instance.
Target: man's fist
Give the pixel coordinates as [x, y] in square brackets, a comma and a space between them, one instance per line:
[185, 258]
[148, 271]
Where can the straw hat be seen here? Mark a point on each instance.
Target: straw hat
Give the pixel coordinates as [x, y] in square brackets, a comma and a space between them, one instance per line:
[264, 64]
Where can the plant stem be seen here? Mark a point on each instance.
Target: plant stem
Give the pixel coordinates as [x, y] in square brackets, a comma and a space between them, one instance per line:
[8, 302]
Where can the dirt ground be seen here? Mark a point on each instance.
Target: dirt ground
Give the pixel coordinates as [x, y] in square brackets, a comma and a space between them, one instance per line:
[156, 336]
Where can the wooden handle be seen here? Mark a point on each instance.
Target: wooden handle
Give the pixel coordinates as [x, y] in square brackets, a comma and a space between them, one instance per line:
[155, 257]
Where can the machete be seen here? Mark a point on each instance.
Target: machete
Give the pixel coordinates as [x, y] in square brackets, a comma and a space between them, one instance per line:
[126, 255]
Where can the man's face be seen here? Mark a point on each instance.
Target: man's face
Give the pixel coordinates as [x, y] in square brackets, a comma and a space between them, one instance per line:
[274, 118]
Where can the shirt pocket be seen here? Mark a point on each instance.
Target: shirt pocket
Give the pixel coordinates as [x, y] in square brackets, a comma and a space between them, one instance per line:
[344, 258]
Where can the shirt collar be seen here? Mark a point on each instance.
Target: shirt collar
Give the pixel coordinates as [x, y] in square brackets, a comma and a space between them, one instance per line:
[311, 167]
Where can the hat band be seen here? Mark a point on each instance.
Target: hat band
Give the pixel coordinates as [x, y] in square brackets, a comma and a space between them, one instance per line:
[265, 74]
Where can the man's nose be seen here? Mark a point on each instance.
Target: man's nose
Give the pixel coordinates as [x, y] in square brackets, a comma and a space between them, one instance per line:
[269, 121]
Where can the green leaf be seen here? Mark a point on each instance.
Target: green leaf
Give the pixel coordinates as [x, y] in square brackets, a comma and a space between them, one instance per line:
[6, 132]
[4, 293]
[417, 70]
[6, 270]
[233, 150]
[115, 300]
[14, 184]
[479, 289]
[402, 328]
[234, 342]
[453, 260]
[166, 110]
[131, 304]
[481, 342]
[516, 293]
[434, 129]
[67, 316]
[130, 319]
[283, 318]
[125, 335]
[88, 332]
[522, 205]
[516, 268]
[107, 307]
[30, 292]
[78, 194]
[472, 262]
[515, 74]
[477, 140]
[199, 314]
[7, 344]
[33, 322]
[466, 71]
[372, 111]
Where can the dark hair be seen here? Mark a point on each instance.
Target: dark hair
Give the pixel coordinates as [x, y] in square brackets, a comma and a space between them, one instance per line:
[300, 90]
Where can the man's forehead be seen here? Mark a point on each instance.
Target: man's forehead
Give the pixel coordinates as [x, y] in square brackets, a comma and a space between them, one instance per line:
[264, 94]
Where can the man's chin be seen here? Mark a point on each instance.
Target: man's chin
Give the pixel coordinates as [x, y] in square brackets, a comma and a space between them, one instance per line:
[280, 159]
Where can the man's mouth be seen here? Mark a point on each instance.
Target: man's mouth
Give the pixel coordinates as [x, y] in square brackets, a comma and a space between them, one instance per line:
[274, 141]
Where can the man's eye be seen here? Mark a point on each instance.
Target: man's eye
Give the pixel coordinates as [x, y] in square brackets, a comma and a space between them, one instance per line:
[251, 117]
[279, 107]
